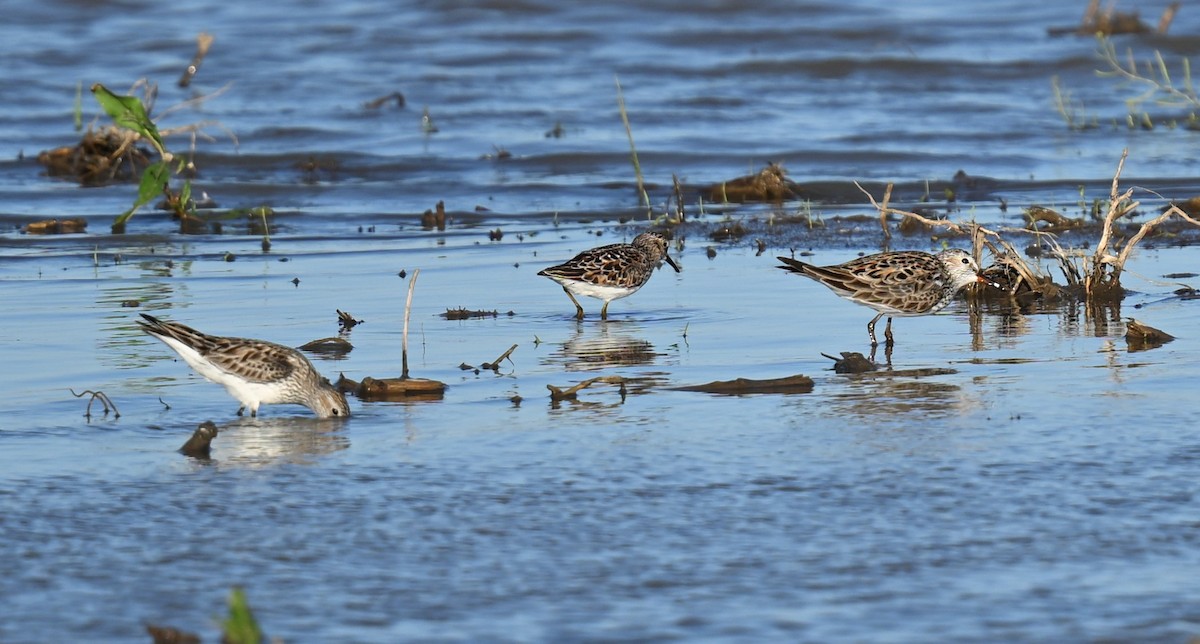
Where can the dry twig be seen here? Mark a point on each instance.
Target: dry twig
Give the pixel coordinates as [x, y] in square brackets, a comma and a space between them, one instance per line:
[96, 395]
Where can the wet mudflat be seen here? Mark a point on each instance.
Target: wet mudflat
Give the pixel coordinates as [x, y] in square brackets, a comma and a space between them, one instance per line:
[1016, 474]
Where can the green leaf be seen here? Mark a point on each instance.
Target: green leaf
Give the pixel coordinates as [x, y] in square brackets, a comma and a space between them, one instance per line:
[185, 198]
[154, 179]
[128, 112]
[241, 627]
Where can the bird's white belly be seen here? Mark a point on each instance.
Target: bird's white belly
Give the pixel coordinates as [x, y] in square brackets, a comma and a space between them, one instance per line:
[605, 293]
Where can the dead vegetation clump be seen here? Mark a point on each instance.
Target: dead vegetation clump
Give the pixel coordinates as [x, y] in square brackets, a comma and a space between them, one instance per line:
[1094, 279]
[1108, 21]
[769, 185]
[101, 157]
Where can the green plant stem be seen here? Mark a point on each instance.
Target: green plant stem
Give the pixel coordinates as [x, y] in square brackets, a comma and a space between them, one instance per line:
[637, 167]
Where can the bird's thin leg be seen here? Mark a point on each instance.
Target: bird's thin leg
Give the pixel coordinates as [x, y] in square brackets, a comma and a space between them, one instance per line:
[604, 311]
[871, 328]
[887, 332]
[578, 309]
[241, 409]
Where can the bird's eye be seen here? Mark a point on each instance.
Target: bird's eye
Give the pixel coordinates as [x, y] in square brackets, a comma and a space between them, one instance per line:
[967, 260]
[336, 412]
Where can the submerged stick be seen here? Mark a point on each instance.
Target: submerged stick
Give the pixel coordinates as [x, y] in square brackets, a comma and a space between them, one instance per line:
[412, 283]
[557, 393]
[495, 365]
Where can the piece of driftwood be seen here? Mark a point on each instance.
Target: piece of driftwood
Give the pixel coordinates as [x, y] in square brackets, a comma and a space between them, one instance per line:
[328, 346]
[400, 389]
[797, 384]
[198, 446]
[570, 393]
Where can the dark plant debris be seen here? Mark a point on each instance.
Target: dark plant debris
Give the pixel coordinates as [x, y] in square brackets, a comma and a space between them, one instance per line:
[435, 219]
[199, 445]
[56, 226]
[769, 185]
[169, 635]
[346, 321]
[571, 393]
[851, 362]
[101, 157]
[465, 314]
[495, 364]
[328, 346]
[797, 384]
[1108, 21]
[1142, 337]
[394, 97]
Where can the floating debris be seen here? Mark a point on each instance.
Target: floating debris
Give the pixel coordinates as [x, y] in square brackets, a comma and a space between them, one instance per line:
[851, 362]
[328, 346]
[465, 314]
[1109, 22]
[400, 389]
[101, 157]
[394, 97]
[770, 184]
[570, 393]
[728, 231]
[495, 364]
[346, 321]
[1142, 337]
[431, 219]
[170, 635]
[55, 227]
[199, 445]
[797, 384]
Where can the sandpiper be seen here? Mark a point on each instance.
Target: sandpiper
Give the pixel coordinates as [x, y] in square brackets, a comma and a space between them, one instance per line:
[611, 272]
[254, 372]
[896, 284]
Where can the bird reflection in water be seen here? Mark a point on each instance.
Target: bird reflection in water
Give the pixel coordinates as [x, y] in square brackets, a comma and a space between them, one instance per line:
[262, 442]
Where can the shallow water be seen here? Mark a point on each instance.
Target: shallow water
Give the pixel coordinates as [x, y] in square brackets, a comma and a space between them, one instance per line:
[1041, 491]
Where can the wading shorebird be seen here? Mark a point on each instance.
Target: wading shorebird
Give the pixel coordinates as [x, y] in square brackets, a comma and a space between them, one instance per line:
[611, 272]
[254, 372]
[896, 284]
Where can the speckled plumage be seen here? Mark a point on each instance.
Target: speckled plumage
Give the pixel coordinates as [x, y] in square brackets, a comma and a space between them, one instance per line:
[611, 272]
[254, 372]
[896, 284]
